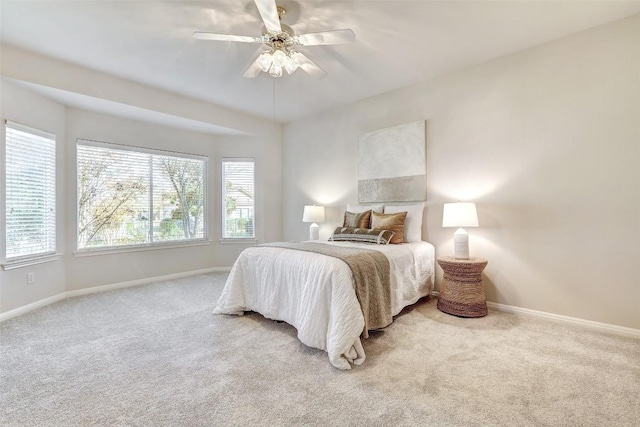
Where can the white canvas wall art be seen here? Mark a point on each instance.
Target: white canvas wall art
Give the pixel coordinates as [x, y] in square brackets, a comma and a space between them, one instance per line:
[392, 164]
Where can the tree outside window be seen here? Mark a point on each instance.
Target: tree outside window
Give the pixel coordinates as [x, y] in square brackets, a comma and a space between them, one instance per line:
[126, 197]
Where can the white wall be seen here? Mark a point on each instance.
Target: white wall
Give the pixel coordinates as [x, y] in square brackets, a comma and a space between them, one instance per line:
[24, 107]
[89, 271]
[74, 272]
[111, 94]
[546, 142]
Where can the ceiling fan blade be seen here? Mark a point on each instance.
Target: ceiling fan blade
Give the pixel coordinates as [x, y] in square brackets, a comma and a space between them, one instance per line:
[269, 13]
[253, 71]
[326, 37]
[308, 66]
[200, 35]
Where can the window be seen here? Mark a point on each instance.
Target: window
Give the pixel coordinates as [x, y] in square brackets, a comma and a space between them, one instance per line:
[238, 199]
[130, 196]
[30, 182]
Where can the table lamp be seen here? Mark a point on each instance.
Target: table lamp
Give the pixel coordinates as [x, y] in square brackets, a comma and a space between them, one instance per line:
[460, 215]
[313, 214]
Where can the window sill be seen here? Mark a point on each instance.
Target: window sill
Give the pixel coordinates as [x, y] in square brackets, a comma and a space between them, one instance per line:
[248, 241]
[126, 249]
[26, 262]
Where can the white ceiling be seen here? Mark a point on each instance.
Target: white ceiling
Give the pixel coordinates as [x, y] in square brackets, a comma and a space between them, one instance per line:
[397, 43]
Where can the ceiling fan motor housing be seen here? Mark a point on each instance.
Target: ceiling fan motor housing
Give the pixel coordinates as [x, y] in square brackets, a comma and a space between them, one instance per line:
[282, 40]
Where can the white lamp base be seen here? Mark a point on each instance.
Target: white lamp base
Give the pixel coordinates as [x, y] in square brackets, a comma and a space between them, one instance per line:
[461, 244]
[314, 231]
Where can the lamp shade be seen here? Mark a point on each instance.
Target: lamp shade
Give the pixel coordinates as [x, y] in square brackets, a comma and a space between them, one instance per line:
[313, 213]
[459, 214]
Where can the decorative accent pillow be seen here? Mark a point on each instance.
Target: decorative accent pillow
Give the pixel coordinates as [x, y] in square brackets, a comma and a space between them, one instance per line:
[357, 220]
[361, 208]
[393, 222]
[363, 235]
[413, 222]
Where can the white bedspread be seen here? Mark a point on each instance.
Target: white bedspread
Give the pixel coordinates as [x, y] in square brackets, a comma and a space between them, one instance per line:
[315, 294]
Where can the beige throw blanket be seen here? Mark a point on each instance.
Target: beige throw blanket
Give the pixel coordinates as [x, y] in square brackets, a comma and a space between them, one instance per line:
[371, 276]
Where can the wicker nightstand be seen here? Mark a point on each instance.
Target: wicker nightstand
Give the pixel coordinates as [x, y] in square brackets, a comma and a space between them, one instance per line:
[462, 291]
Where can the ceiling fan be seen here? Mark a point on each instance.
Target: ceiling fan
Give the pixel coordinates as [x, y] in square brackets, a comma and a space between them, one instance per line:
[281, 40]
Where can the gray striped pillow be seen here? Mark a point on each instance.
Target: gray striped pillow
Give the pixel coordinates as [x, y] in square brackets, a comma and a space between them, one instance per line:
[363, 235]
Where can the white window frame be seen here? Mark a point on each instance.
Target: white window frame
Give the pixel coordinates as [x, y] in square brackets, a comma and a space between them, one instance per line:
[50, 234]
[223, 237]
[151, 245]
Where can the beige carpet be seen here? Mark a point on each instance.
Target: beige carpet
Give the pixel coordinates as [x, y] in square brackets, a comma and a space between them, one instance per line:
[154, 355]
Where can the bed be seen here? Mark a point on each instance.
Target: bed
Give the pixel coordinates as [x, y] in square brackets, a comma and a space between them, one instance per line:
[315, 293]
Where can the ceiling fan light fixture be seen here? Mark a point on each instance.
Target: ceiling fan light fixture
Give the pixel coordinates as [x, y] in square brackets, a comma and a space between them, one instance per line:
[274, 61]
[279, 58]
[275, 70]
[264, 61]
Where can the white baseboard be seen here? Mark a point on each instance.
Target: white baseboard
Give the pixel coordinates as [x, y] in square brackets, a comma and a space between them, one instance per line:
[30, 307]
[144, 281]
[588, 324]
[69, 294]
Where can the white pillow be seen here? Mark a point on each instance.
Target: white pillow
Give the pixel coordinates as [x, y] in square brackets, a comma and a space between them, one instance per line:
[413, 223]
[363, 208]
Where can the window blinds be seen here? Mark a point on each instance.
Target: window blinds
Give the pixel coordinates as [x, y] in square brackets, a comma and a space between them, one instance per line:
[134, 196]
[30, 192]
[238, 198]
[113, 197]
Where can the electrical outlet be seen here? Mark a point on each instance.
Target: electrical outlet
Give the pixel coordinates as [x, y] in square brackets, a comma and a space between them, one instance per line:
[31, 278]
